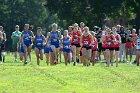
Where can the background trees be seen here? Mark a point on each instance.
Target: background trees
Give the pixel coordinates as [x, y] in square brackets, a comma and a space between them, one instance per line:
[66, 12]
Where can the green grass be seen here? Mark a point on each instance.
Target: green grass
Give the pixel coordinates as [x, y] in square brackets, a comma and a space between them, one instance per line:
[16, 78]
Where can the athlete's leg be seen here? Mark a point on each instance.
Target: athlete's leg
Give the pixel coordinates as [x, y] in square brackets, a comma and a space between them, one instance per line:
[37, 55]
[47, 58]
[74, 54]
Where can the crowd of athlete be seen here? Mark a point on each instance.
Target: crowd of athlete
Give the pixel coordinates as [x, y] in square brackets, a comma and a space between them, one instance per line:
[78, 44]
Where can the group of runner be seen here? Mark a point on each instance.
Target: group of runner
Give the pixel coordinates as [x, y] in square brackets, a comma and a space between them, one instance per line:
[78, 44]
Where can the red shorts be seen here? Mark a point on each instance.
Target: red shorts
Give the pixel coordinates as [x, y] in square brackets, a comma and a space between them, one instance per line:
[129, 45]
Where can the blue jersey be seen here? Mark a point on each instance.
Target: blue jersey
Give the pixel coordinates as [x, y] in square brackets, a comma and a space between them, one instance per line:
[27, 38]
[39, 41]
[54, 37]
[66, 43]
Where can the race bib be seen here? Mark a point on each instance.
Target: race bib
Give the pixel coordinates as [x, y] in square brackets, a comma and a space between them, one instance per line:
[85, 42]
[92, 46]
[66, 47]
[54, 39]
[109, 43]
[75, 39]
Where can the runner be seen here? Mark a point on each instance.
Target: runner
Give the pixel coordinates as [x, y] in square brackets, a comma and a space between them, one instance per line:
[26, 38]
[117, 44]
[39, 42]
[15, 39]
[47, 49]
[21, 51]
[76, 35]
[109, 41]
[86, 42]
[55, 38]
[94, 48]
[66, 43]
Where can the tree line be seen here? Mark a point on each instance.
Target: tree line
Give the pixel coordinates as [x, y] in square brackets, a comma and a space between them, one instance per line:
[66, 12]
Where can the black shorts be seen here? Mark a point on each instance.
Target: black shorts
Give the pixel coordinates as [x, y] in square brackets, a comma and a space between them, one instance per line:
[77, 45]
[14, 46]
[87, 48]
[93, 50]
[111, 49]
[117, 49]
[103, 49]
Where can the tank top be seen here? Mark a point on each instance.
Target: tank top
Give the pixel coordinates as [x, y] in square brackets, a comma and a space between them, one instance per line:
[86, 41]
[39, 41]
[54, 37]
[109, 43]
[75, 38]
[66, 43]
[27, 37]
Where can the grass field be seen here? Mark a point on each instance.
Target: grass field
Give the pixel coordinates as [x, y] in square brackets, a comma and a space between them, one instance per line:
[16, 78]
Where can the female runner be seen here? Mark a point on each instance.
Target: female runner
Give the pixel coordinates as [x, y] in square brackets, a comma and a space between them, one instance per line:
[76, 35]
[86, 42]
[39, 45]
[66, 47]
[94, 48]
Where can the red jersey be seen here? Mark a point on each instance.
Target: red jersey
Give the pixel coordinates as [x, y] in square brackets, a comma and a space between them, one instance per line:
[86, 41]
[76, 38]
[109, 42]
[94, 45]
[117, 43]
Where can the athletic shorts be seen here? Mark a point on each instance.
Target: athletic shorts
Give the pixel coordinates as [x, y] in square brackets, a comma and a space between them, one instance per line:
[66, 50]
[87, 48]
[47, 50]
[129, 45]
[27, 44]
[57, 45]
[111, 49]
[14, 46]
[39, 47]
[117, 49]
[77, 45]
[94, 50]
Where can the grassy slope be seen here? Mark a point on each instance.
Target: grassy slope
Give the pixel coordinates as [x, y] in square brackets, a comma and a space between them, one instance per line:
[16, 78]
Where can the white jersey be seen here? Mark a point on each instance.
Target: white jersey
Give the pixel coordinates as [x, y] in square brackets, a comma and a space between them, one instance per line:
[138, 43]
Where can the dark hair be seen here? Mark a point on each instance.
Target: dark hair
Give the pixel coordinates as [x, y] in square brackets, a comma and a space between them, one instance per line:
[121, 28]
[31, 27]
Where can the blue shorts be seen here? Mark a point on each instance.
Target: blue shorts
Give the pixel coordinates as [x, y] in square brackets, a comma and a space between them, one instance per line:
[39, 47]
[66, 50]
[57, 45]
[47, 50]
[27, 44]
